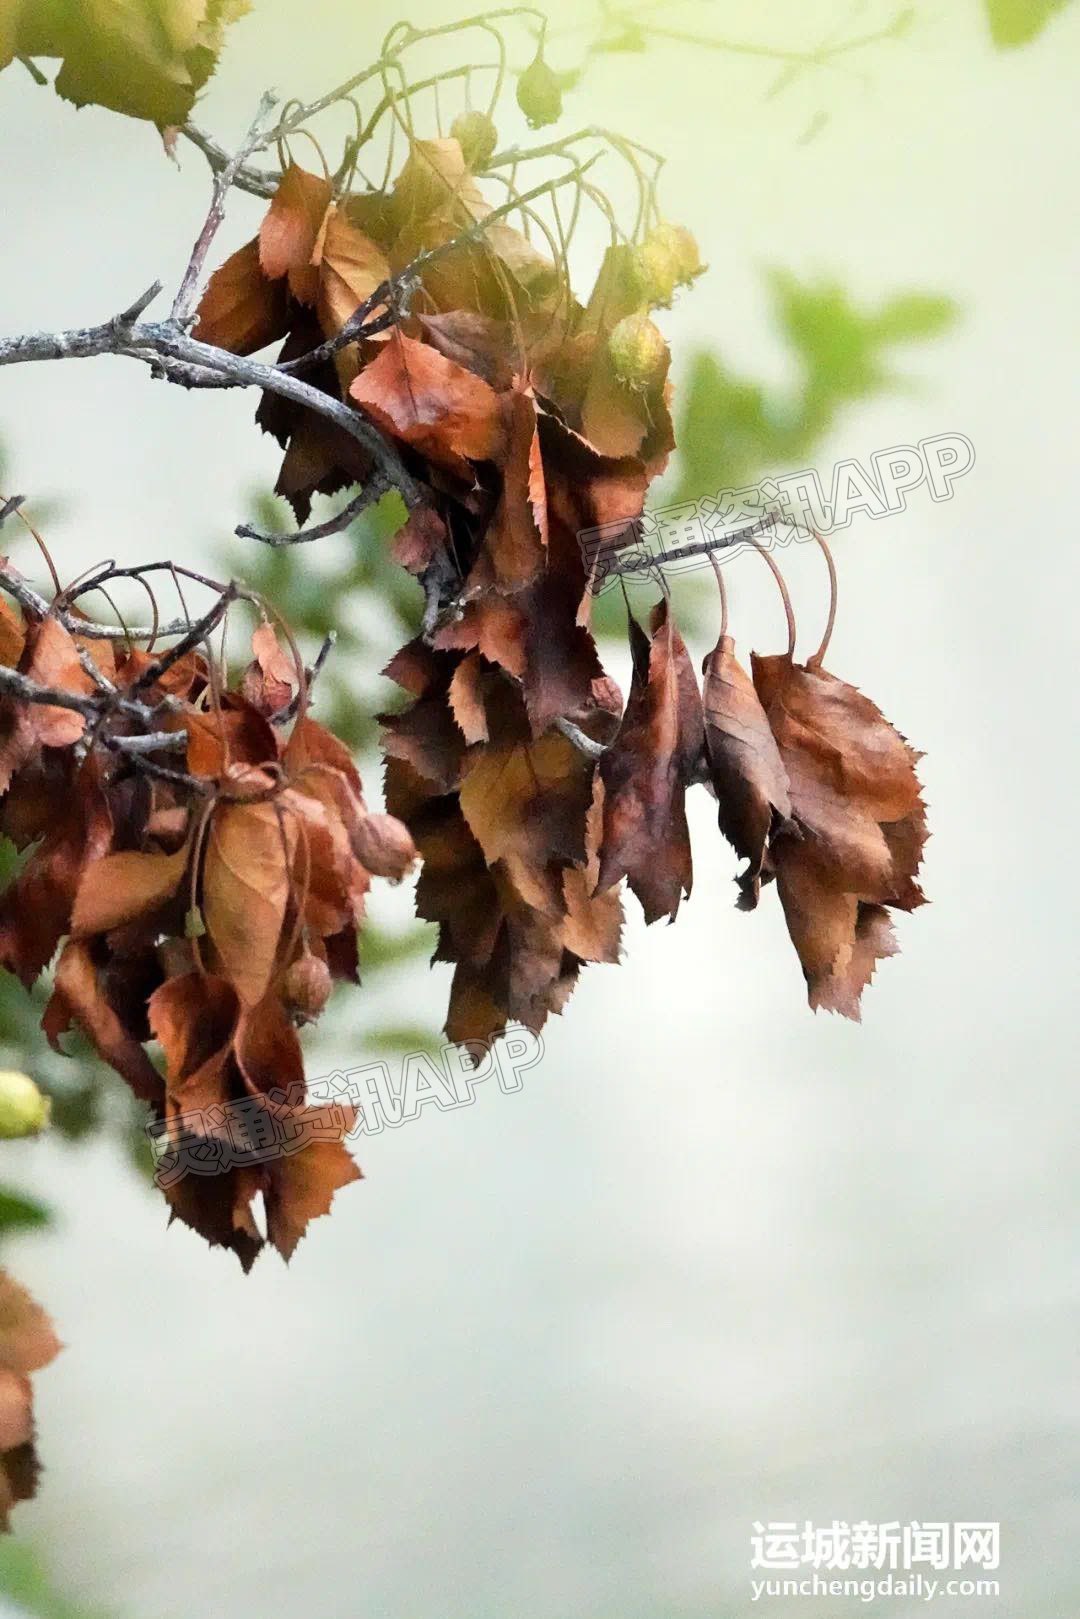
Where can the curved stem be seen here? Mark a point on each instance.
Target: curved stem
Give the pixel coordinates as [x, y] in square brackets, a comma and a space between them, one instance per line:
[719, 572]
[778, 576]
[815, 661]
[27, 524]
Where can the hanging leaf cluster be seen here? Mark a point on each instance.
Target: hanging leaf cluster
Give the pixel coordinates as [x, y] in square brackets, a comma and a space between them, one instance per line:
[527, 419]
[200, 853]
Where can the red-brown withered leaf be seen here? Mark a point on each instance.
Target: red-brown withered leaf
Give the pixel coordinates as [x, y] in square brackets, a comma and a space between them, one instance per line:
[467, 698]
[301, 1187]
[241, 309]
[220, 739]
[35, 911]
[516, 538]
[744, 761]
[350, 268]
[474, 341]
[527, 802]
[646, 771]
[862, 825]
[124, 887]
[270, 679]
[418, 395]
[851, 775]
[12, 635]
[839, 939]
[249, 853]
[194, 1018]
[290, 229]
[51, 657]
[435, 177]
[27, 1339]
[78, 996]
[27, 1343]
[594, 918]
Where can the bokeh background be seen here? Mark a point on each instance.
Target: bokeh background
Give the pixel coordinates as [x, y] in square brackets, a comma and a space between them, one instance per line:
[718, 1260]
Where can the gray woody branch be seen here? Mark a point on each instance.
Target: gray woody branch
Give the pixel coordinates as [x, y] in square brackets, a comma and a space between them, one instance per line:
[170, 352]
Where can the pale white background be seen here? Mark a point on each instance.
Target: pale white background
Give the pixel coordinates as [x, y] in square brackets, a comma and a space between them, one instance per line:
[718, 1260]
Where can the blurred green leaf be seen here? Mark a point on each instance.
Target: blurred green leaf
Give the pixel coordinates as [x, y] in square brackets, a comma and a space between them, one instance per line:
[380, 949]
[732, 431]
[1018, 22]
[407, 1037]
[19, 1213]
[24, 1580]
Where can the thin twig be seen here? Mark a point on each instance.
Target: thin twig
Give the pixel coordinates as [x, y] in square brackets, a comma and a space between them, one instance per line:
[376, 486]
[196, 634]
[25, 690]
[151, 742]
[223, 181]
[37, 607]
[311, 674]
[256, 182]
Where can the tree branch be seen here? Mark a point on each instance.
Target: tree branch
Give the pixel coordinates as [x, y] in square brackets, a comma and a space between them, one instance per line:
[223, 182]
[376, 486]
[163, 341]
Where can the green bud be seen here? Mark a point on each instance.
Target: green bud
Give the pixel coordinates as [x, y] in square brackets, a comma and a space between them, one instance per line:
[654, 272]
[24, 1111]
[685, 255]
[538, 94]
[638, 351]
[477, 137]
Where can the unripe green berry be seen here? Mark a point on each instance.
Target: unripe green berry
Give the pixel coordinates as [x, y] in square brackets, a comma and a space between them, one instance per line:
[477, 137]
[539, 94]
[684, 251]
[24, 1111]
[654, 272]
[638, 351]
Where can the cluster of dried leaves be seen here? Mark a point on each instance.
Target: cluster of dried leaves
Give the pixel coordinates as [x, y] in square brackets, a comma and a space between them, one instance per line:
[27, 1343]
[529, 791]
[146, 58]
[203, 856]
[816, 789]
[503, 401]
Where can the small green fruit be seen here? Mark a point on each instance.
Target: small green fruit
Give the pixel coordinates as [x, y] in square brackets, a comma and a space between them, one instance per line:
[683, 249]
[477, 137]
[638, 351]
[24, 1111]
[654, 272]
[539, 94]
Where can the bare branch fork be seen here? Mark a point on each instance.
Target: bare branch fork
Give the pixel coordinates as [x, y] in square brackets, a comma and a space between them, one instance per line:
[169, 351]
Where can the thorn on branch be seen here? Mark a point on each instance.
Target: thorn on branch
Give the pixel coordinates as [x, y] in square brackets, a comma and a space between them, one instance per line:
[131, 314]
